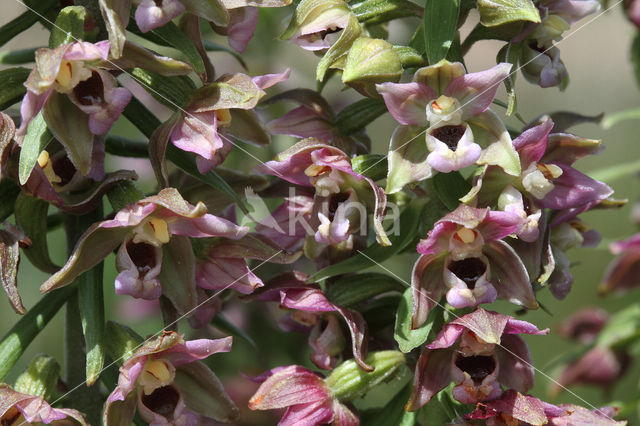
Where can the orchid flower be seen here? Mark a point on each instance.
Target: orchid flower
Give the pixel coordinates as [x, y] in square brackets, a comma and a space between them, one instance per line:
[163, 376]
[461, 130]
[488, 354]
[152, 236]
[68, 78]
[463, 255]
[623, 273]
[312, 163]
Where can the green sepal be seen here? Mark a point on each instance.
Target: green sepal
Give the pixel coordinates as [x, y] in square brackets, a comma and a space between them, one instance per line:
[498, 12]
[371, 61]
[373, 166]
[335, 56]
[31, 217]
[69, 26]
[120, 341]
[40, 378]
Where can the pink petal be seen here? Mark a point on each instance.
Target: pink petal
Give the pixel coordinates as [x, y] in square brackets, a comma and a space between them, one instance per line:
[407, 102]
[476, 91]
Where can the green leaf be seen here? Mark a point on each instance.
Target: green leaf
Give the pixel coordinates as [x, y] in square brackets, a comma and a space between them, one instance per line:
[31, 217]
[124, 147]
[170, 91]
[407, 338]
[178, 274]
[352, 289]
[358, 115]
[23, 22]
[172, 36]
[11, 86]
[450, 187]
[417, 39]
[227, 327]
[373, 166]
[37, 138]
[17, 57]
[16, 341]
[440, 27]
[498, 12]
[409, 223]
[69, 26]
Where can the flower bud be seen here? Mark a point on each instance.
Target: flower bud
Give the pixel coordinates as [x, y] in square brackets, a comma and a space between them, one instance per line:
[40, 378]
[316, 24]
[120, 341]
[544, 68]
[371, 61]
[348, 381]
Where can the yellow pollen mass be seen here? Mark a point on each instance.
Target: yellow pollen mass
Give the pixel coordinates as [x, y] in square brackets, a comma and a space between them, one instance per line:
[65, 75]
[466, 235]
[160, 229]
[156, 374]
[315, 170]
[45, 163]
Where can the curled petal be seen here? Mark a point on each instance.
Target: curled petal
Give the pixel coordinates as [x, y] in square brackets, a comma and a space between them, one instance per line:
[407, 102]
[516, 365]
[573, 188]
[242, 25]
[427, 287]
[532, 143]
[289, 386]
[431, 376]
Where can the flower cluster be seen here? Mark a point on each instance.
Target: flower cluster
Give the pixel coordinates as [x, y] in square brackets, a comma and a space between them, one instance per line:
[272, 255]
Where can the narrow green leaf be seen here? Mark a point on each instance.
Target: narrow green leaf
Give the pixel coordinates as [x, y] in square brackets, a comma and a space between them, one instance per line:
[227, 327]
[18, 57]
[498, 12]
[409, 223]
[31, 217]
[450, 187]
[358, 115]
[440, 27]
[37, 138]
[417, 39]
[407, 338]
[171, 34]
[373, 166]
[124, 147]
[15, 342]
[69, 26]
[170, 91]
[352, 289]
[11, 86]
[23, 22]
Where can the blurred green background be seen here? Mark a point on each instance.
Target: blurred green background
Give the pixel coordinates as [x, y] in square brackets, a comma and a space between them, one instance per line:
[597, 58]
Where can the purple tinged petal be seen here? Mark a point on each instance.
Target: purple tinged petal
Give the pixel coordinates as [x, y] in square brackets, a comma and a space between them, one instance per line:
[302, 122]
[225, 273]
[288, 225]
[623, 273]
[343, 416]
[527, 409]
[431, 376]
[509, 275]
[449, 334]
[431, 244]
[306, 299]
[242, 25]
[327, 342]
[198, 133]
[207, 226]
[573, 10]
[579, 416]
[194, 350]
[444, 159]
[268, 80]
[115, 100]
[407, 102]
[532, 143]
[289, 386]
[583, 326]
[630, 244]
[476, 91]
[129, 374]
[459, 294]
[600, 367]
[359, 335]
[33, 408]
[516, 365]
[573, 189]
[150, 15]
[31, 105]
[85, 51]
[315, 413]
[515, 326]
[427, 287]
[567, 148]
[139, 280]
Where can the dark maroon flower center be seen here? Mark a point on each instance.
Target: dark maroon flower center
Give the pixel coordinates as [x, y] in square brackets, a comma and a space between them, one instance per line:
[477, 366]
[10, 417]
[450, 135]
[162, 401]
[64, 169]
[334, 202]
[143, 256]
[468, 270]
[90, 91]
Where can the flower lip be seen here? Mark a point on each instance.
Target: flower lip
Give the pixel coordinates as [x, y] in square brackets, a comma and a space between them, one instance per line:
[477, 366]
[450, 135]
[90, 91]
[64, 169]
[469, 270]
[143, 255]
[162, 401]
[334, 202]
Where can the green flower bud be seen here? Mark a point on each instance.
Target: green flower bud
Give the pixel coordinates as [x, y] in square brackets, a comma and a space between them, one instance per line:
[371, 61]
[40, 378]
[120, 341]
[348, 381]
